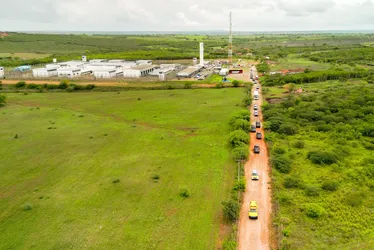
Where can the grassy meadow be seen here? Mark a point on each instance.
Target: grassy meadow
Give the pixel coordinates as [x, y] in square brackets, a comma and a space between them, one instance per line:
[321, 144]
[106, 170]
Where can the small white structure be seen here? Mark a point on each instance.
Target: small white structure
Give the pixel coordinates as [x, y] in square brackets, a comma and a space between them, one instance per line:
[105, 73]
[69, 72]
[138, 71]
[54, 60]
[44, 72]
[194, 61]
[161, 77]
[84, 59]
[224, 72]
[202, 54]
[2, 72]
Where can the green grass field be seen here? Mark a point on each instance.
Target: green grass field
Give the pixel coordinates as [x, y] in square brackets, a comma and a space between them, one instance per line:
[72, 146]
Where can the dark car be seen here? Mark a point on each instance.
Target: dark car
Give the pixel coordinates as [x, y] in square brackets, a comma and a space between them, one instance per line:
[258, 124]
[258, 135]
[255, 107]
[253, 128]
[256, 149]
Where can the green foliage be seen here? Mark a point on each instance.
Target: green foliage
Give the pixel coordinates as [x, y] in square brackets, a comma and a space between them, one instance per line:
[299, 144]
[242, 124]
[230, 242]
[240, 153]
[2, 100]
[27, 207]
[291, 182]
[63, 85]
[247, 101]
[184, 193]
[281, 163]
[188, 85]
[263, 67]
[314, 211]
[20, 85]
[330, 185]
[219, 85]
[239, 185]
[238, 138]
[235, 83]
[312, 190]
[231, 209]
[242, 115]
[288, 129]
[323, 157]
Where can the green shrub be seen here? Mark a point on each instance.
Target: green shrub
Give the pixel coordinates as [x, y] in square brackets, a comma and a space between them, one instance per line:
[238, 138]
[27, 207]
[299, 144]
[235, 83]
[116, 181]
[242, 124]
[90, 86]
[322, 157]
[247, 101]
[32, 86]
[219, 85]
[281, 163]
[230, 243]
[312, 191]
[2, 100]
[240, 185]
[355, 199]
[231, 209]
[20, 85]
[288, 129]
[279, 151]
[291, 182]
[188, 85]
[63, 85]
[330, 185]
[314, 211]
[244, 114]
[184, 193]
[240, 153]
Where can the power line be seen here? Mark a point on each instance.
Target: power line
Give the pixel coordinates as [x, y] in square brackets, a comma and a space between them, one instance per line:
[230, 41]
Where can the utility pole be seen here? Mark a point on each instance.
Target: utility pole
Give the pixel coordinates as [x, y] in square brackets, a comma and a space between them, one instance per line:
[230, 41]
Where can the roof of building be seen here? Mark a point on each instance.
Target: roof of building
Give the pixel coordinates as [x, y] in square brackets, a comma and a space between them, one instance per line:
[45, 69]
[69, 69]
[144, 67]
[188, 71]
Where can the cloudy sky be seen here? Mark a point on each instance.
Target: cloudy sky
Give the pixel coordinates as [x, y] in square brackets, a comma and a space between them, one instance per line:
[185, 15]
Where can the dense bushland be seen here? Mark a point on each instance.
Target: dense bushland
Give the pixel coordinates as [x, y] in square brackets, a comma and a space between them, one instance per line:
[321, 144]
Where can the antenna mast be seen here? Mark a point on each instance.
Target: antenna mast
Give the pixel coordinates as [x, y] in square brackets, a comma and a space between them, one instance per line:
[230, 41]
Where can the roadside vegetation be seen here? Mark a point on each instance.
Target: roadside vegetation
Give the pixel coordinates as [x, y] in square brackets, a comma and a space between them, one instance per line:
[321, 144]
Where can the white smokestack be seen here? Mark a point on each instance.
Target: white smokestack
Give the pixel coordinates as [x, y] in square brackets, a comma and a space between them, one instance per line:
[202, 54]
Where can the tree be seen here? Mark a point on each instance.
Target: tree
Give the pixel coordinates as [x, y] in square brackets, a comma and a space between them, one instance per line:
[291, 87]
[235, 83]
[2, 100]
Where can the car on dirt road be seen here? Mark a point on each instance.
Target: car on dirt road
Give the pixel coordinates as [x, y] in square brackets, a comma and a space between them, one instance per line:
[258, 124]
[253, 210]
[255, 107]
[253, 128]
[257, 87]
[256, 113]
[256, 149]
[258, 135]
[255, 175]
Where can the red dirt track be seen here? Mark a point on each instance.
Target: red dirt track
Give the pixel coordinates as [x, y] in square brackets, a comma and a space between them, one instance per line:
[255, 234]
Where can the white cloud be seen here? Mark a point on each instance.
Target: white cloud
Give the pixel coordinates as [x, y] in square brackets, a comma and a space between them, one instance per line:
[164, 15]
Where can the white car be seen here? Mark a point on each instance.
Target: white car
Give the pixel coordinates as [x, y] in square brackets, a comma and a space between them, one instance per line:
[256, 113]
[255, 107]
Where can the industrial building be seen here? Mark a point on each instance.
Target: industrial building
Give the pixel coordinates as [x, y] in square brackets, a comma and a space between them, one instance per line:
[44, 72]
[69, 72]
[23, 68]
[144, 62]
[138, 71]
[189, 71]
[105, 73]
[2, 72]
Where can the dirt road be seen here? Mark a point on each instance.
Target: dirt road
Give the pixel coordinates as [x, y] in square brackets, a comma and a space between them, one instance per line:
[254, 234]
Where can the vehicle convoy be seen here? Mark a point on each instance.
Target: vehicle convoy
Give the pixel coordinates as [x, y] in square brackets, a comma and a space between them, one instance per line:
[255, 175]
[256, 149]
[258, 135]
[253, 128]
[253, 210]
[255, 95]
